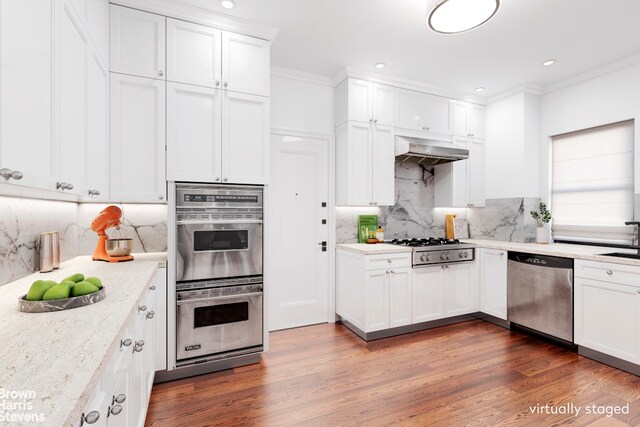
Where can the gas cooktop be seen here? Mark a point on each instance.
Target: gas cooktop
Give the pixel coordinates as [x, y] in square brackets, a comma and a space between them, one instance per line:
[437, 250]
[431, 241]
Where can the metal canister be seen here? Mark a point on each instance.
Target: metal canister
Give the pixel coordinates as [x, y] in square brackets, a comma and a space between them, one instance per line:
[55, 240]
[46, 252]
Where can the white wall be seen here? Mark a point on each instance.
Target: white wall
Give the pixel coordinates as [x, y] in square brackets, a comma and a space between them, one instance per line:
[607, 99]
[302, 102]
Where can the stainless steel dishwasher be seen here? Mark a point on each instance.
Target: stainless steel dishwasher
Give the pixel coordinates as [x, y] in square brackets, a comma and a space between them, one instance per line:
[540, 294]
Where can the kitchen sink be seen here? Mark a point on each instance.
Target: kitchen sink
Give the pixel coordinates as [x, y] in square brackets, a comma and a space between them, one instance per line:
[623, 255]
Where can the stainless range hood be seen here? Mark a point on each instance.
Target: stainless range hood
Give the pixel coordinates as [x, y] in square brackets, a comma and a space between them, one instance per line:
[427, 151]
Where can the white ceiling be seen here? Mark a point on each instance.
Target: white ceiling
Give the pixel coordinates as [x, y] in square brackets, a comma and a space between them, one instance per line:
[324, 36]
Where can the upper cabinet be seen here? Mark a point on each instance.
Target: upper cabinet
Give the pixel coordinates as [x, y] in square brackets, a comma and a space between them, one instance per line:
[98, 26]
[417, 111]
[460, 184]
[363, 101]
[137, 44]
[468, 120]
[245, 64]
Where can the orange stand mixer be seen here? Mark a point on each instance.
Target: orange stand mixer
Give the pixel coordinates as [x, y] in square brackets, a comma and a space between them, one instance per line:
[109, 217]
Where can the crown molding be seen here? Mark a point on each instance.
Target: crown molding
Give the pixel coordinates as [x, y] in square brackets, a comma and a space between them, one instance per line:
[593, 74]
[302, 76]
[179, 10]
[527, 88]
[404, 83]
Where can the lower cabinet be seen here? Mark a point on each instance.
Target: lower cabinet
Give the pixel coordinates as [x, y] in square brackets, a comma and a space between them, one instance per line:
[493, 282]
[122, 395]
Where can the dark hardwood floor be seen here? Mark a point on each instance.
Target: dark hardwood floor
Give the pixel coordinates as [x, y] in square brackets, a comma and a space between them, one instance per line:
[472, 373]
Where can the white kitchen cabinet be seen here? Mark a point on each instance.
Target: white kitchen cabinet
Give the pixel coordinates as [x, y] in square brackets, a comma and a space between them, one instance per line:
[428, 294]
[461, 184]
[27, 86]
[400, 297]
[194, 133]
[607, 309]
[422, 112]
[461, 289]
[97, 129]
[72, 147]
[477, 121]
[468, 120]
[161, 319]
[493, 282]
[96, 411]
[137, 43]
[377, 300]
[363, 101]
[194, 54]
[476, 173]
[245, 138]
[137, 135]
[245, 64]
[365, 164]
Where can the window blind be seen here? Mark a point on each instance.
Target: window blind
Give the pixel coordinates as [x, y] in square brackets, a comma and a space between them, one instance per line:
[592, 184]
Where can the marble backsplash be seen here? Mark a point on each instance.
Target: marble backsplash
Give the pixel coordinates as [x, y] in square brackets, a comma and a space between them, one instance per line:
[414, 215]
[23, 220]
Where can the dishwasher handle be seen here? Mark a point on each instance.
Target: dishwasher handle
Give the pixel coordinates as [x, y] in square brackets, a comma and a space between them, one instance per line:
[543, 261]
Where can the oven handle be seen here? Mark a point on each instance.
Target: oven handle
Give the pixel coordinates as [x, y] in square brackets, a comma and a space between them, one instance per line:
[251, 294]
[220, 221]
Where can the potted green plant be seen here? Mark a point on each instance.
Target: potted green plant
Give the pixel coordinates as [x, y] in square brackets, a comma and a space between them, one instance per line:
[542, 217]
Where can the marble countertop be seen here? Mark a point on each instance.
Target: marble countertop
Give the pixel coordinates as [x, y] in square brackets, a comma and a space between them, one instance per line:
[58, 356]
[375, 249]
[591, 253]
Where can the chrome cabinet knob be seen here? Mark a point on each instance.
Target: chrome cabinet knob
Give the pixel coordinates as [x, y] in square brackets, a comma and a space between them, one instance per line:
[125, 343]
[151, 314]
[17, 175]
[160, 73]
[119, 398]
[94, 192]
[501, 253]
[91, 418]
[64, 186]
[226, 84]
[152, 287]
[375, 120]
[387, 272]
[115, 410]
[217, 82]
[139, 346]
[6, 173]
[389, 261]
[226, 179]
[609, 272]
[160, 197]
[217, 178]
[393, 272]
[142, 308]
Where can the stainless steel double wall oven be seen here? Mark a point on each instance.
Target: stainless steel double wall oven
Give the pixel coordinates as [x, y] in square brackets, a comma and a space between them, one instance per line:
[219, 272]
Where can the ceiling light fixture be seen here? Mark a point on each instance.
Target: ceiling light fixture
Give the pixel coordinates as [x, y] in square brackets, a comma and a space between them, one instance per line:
[458, 16]
[549, 62]
[479, 89]
[228, 4]
[380, 65]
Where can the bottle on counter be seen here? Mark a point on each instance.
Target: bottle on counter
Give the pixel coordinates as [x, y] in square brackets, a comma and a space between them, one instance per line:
[380, 234]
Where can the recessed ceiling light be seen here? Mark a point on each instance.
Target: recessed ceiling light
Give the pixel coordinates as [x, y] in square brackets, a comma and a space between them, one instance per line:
[549, 62]
[228, 4]
[380, 65]
[458, 16]
[479, 89]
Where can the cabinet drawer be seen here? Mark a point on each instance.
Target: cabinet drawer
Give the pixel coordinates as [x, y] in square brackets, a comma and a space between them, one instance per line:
[375, 262]
[608, 272]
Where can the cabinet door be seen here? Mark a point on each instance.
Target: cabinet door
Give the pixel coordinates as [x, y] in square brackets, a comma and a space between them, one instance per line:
[194, 54]
[137, 134]
[161, 319]
[438, 114]
[359, 168]
[95, 412]
[451, 185]
[137, 378]
[477, 121]
[384, 105]
[607, 318]
[194, 133]
[137, 43]
[383, 176]
[72, 154]
[98, 128]
[476, 171]
[400, 297]
[98, 26]
[460, 118]
[149, 352]
[411, 110]
[493, 282]
[120, 412]
[360, 100]
[461, 289]
[377, 297]
[245, 138]
[428, 294]
[26, 84]
[245, 64]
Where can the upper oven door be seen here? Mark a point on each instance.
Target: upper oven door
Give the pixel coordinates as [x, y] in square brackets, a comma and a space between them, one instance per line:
[218, 250]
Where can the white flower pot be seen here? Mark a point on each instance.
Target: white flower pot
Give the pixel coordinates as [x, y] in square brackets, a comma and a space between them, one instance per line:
[542, 235]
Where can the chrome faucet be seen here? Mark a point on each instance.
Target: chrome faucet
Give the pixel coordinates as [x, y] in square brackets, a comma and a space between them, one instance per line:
[636, 236]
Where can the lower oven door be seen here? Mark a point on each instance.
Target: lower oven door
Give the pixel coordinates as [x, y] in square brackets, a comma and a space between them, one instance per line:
[218, 324]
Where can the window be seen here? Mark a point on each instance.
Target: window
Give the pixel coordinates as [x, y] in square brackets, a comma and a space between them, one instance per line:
[592, 186]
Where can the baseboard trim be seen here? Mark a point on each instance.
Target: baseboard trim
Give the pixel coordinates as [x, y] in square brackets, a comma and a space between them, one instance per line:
[621, 364]
[495, 320]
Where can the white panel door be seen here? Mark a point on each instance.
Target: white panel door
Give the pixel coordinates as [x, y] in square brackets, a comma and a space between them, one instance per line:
[493, 282]
[299, 279]
[98, 128]
[194, 133]
[98, 26]
[476, 172]
[428, 294]
[438, 114]
[477, 121]
[607, 318]
[245, 64]
[359, 168]
[377, 297]
[137, 133]
[400, 297]
[245, 138]
[26, 88]
[384, 104]
[72, 154]
[360, 100]
[194, 53]
[461, 289]
[383, 174]
[460, 118]
[411, 110]
[137, 44]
